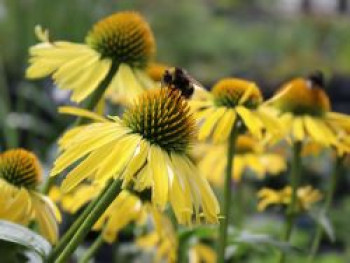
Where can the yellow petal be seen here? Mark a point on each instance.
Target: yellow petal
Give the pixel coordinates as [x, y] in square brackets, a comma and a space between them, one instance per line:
[298, 129]
[224, 126]
[210, 122]
[159, 169]
[82, 113]
[251, 121]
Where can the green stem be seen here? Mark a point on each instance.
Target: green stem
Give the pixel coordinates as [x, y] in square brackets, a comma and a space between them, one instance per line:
[73, 229]
[47, 185]
[292, 208]
[327, 205]
[105, 199]
[227, 196]
[93, 249]
[98, 94]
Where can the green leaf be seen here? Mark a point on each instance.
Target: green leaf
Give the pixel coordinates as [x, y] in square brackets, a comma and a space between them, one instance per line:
[321, 218]
[23, 236]
[198, 232]
[260, 239]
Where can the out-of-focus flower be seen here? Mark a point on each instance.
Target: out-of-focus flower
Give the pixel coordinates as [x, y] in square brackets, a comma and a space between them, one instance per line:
[147, 148]
[201, 253]
[305, 111]
[250, 154]
[232, 100]
[118, 48]
[20, 202]
[126, 208]
[162, 239]
[306, 196]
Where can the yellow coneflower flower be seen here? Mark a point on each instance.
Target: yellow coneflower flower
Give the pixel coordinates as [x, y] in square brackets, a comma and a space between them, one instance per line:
[201, 253]
[249, 155]
[305, 111]
[163, 238]
[20, 202]
[147, 148]
[229, 101]
[118, 48]
[126, 208]
[306, 196]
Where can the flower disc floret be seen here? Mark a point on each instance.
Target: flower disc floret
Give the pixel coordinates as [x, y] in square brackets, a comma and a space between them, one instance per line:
[231, 92]
[162, 117]
[124, 37]
[20, 168]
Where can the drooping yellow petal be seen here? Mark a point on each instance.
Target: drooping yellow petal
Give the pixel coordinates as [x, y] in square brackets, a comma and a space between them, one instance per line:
[159, 169]
[82, 113]
[298, 129]
[224, 126]
[121, 154]
[252, 122]
[210, 122]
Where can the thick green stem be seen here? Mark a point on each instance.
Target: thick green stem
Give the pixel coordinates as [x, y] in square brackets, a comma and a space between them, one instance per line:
[92, 249]
[227, 196]
[74, 227]
[292, 208]
[328, 202]
[105, 199]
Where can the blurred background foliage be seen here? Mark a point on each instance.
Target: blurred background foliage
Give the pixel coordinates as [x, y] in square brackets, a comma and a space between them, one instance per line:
[268, 41]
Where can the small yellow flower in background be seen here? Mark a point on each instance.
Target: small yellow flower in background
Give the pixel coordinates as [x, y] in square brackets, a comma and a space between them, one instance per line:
[201, 253]
[229, 101]
[126, 208]
[163, 238]
[20, 202]
[305, 111]
[148, 148]
[306, 196]
[121, 44]
[249, 155]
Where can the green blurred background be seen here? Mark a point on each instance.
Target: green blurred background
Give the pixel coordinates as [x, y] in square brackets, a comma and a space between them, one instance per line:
[268, 41]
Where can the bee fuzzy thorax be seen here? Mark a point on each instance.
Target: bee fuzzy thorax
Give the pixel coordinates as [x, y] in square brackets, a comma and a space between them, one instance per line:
[179, 79]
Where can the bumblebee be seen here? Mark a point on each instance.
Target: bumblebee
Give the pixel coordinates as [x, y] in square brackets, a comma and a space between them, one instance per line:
[316, 79]
[179, 79]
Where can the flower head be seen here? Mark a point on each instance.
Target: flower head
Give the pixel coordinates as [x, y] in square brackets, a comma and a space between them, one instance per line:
[117, 50]
[304, 109]
[148, 149]
[251, 155]
[20, 175]
[232, 102]
[124, 37]
[306, 196]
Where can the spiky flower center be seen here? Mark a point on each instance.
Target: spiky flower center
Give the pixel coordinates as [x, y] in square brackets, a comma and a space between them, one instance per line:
[232, 92]
[301, 98]
[124, 37]
[20, 168]
[162, 117]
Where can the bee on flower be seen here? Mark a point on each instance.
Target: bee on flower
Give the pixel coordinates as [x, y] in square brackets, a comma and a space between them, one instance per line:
[148, 148]
[304, 109]
[21, 202]
[115, 55]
